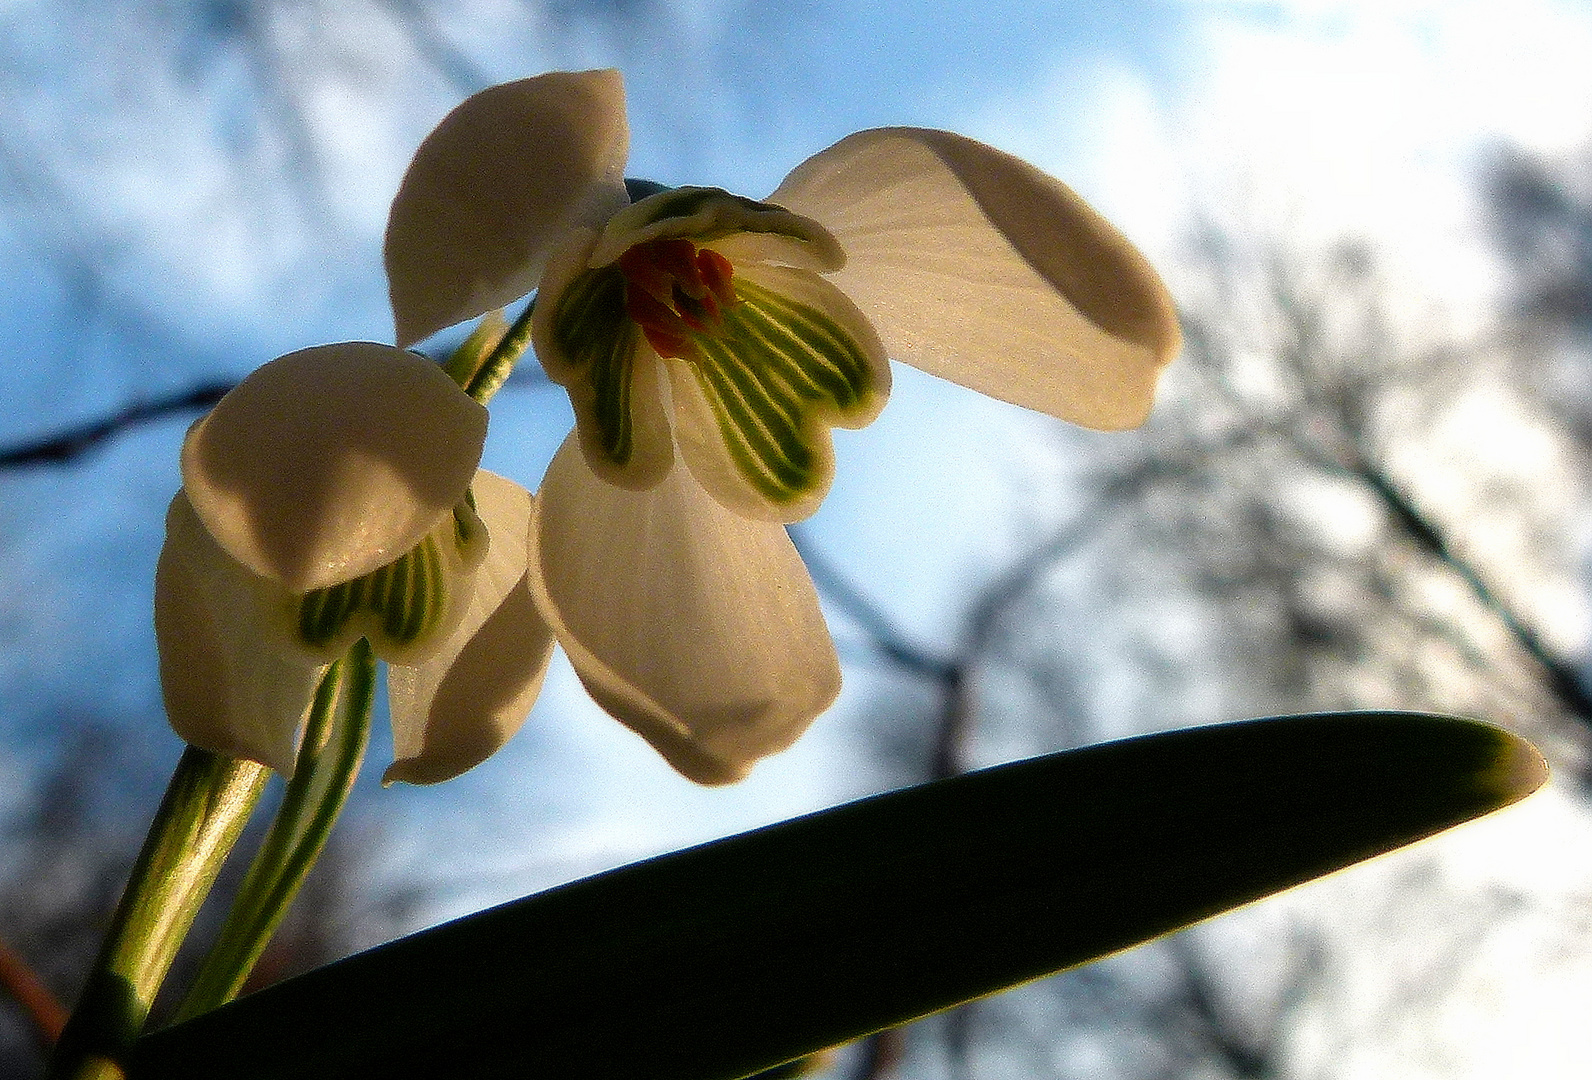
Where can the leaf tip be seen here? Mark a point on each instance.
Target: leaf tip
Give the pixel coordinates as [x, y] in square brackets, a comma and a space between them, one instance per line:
[1517, 770]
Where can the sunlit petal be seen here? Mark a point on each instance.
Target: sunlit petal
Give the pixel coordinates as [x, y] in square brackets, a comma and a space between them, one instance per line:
[459, 707]
[696, 627]
[491, 191]
[793, 358]
[327, 463]
[977, 267]
[233, 680]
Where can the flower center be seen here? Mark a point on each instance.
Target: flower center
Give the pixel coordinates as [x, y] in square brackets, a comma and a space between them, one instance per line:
[674, 289]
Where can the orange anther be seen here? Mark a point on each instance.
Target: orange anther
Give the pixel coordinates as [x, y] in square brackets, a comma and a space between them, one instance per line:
[666, 332]
[673, 289]
[716, 272]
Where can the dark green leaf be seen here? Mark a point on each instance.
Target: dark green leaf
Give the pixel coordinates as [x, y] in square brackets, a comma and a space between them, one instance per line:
[734, 956]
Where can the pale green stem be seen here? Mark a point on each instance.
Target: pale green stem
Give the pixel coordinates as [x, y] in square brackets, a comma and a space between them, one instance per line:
[462, 364]
[334, 745]
[207, 803]
[482, 371]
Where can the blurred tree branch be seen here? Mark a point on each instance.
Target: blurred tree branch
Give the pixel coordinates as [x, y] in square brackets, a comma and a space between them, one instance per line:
[1541, 214]
[65, 447]
[44, 1012]
[1340, 380]
[77, 442]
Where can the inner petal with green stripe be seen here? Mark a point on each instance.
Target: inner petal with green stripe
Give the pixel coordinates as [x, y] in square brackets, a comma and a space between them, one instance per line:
[763, 360]
[405, 607]
[775, 375]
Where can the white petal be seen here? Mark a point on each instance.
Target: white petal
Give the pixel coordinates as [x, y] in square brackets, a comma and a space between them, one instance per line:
[493, 188]
[697, 628]
[792, 434]
[977, 267]
[603, 349]
[458, 708]
[233, 680]
[327, 463]
[713, 215]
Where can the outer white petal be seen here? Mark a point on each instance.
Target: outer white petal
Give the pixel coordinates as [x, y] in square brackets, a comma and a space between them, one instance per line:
[327, 463]
[233, 681]
[455, 710]
[492, 189]
[977, 267]
[697, 628]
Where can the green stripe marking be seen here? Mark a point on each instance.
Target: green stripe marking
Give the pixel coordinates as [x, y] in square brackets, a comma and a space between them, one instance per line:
[773, 373]
[406, 598]
[593, 331]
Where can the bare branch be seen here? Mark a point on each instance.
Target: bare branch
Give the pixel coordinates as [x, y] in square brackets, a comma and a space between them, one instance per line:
[46, 1015]
[886, 638]
[57, 449]
[73, 444]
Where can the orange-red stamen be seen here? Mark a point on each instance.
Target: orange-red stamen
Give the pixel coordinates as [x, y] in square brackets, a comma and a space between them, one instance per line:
[672, 289]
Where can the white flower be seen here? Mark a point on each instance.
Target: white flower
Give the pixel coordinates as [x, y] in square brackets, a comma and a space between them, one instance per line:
[334, 495]
[709, 342]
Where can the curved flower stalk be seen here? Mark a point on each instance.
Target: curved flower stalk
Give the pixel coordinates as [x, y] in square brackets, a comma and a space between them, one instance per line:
[333, 496]
[709, 343]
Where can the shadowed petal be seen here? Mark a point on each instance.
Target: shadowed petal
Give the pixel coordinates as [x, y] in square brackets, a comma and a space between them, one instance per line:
[233, 680]
[327, 463]
[977, 267]
[588, 344]
[458, 708]
[493, 188]
[697, 628]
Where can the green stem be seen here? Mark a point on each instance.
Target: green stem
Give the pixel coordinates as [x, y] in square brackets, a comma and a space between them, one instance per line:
[481, 370]
[207, 803]
[334, 744]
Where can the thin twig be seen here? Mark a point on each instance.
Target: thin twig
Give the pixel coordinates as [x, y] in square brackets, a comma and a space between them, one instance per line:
[72, 444]
[57, 449]
[887, 639]
[44, 1011]
[1561, 676]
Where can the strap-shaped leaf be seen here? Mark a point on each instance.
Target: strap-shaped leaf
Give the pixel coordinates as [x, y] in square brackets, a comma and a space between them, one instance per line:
[720, 960]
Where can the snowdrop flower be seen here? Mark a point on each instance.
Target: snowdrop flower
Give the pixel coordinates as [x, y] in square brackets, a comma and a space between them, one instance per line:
[709, 343]
[334, 495]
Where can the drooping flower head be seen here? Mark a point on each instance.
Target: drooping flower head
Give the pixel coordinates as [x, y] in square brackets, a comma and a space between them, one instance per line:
[709, 343]
[334, 495]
